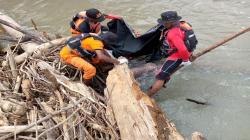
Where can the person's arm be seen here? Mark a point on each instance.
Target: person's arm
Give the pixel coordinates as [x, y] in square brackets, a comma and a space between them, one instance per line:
[110, 16]
[136, 33]
[102, 57]
[180, 45]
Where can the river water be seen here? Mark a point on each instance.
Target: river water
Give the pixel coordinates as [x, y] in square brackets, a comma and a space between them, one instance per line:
[221, 78]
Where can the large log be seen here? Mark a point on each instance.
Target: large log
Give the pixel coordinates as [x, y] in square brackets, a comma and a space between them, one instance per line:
[38, 49]
[12, 32]
[16, 35]
[29, 47]
[12, 24]
[137, 115]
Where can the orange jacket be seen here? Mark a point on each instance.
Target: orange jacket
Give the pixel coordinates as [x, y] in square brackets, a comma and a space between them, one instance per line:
[72, 57]
[89, 44]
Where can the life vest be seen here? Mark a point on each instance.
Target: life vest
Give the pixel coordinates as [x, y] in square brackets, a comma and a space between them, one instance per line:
[75, 43]
[190, 40]
[76, 22]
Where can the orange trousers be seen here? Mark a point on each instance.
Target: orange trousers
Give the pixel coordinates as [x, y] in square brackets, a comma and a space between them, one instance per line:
[72, 58]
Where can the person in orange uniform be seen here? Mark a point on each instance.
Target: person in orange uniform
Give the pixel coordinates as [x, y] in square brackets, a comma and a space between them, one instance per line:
[84, 50]
[89, 21]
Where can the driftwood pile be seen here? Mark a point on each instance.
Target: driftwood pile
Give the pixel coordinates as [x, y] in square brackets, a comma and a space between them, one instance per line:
[38, 97]
[38, 101]
[35, 91]
[42, 98]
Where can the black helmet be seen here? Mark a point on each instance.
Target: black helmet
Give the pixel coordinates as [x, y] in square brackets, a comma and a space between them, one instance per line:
[95, 14]
[169, 16]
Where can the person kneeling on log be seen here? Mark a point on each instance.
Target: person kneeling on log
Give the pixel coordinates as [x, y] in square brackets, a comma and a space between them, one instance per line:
[89, 21]
[181, 43]
[84, 49]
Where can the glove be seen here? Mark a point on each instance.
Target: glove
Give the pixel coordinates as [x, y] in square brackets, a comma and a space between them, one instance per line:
[186, 63]
[123, 60]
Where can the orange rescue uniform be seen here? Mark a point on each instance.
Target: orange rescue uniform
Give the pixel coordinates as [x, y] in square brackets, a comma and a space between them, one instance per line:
[72, 57]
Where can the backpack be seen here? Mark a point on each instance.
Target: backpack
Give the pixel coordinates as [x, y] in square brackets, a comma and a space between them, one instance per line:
[190, 38]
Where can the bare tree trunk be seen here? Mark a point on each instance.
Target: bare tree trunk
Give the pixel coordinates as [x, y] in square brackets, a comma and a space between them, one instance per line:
[37, 49]
[137, 115]
[12, 32]
[29, 47]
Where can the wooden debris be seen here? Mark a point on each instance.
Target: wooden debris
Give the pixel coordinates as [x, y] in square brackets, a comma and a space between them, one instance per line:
[11, 129]
[26, 88]
[12, 63]
[12, 32]
[197, 102]
[3, 87]
[36, 97]
[38, 49]
[29, 34]
[34, 24]
[17, 84]
[137, 115]
[3, 119]
[197, 136]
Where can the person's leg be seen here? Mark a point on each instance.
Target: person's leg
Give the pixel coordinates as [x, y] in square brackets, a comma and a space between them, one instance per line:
[71, 58]
[88, 69]
[145, 68]
[155, 87]
[168, 68]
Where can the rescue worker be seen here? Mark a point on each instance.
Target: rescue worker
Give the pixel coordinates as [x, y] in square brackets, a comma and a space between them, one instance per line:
[178, 52]
[84, 50]
[89, 21]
